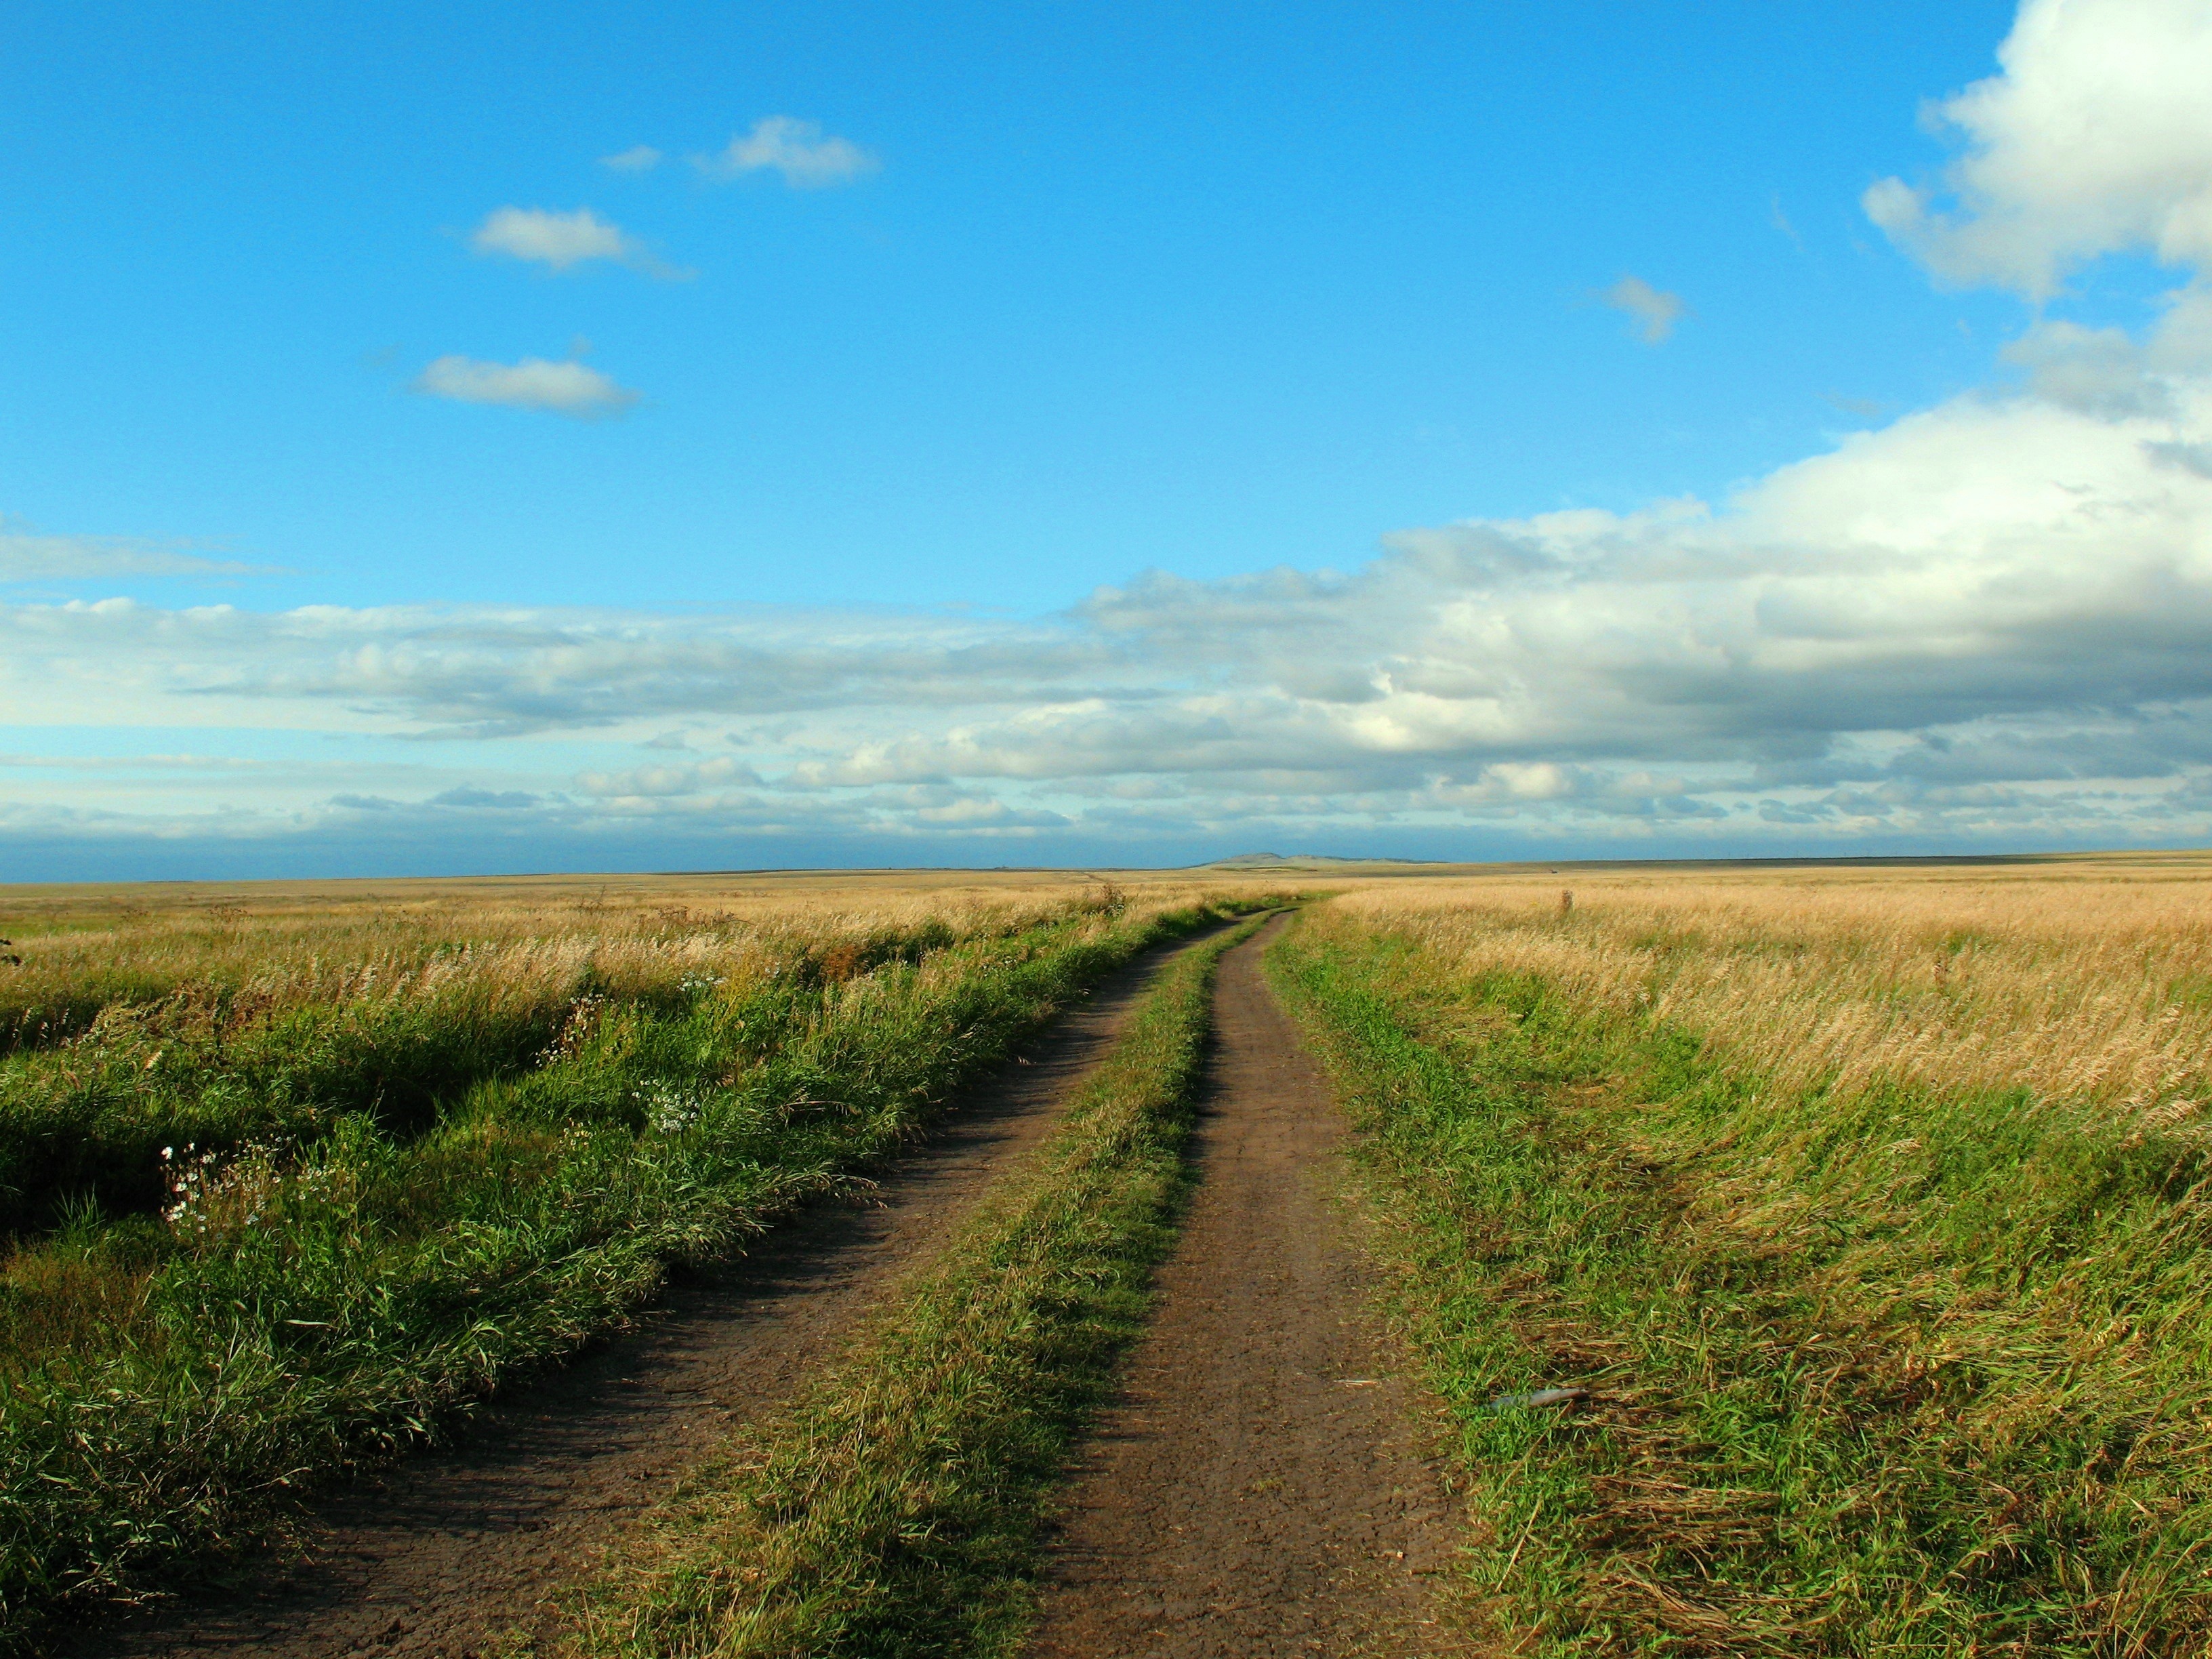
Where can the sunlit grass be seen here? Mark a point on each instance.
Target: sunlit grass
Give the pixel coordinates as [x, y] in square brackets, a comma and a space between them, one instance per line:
[1891, 1286]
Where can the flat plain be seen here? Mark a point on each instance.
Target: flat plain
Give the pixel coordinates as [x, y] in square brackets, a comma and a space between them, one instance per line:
[1733, 1258]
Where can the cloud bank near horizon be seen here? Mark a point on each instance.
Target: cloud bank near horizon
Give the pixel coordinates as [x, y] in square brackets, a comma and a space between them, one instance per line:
[1989, 622]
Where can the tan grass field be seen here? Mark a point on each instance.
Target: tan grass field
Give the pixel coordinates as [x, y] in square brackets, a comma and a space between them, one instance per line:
[1864, 1206]
[79, 946]
[2084, 977]
[289, 1172]
[2088, 979]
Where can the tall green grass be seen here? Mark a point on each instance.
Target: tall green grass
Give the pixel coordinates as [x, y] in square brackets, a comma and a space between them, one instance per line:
[307, 1303]
[897, 1508]
[1908, 1372]
[215, 1065]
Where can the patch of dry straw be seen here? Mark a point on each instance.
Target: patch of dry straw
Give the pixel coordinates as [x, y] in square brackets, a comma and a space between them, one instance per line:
[2074, 984]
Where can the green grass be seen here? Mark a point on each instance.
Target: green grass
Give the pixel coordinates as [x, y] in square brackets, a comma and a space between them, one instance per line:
[1914, 1374]
[313, 1302]
[216, 1065]
[896, 1510]
[85, 1123]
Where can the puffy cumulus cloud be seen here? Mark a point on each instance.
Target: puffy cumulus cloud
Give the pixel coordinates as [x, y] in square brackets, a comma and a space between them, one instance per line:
[2096, 138]
[558, 240]
[563, 240]
[797, 149]
[1998, 558]
[1655, 311]
[569, 388]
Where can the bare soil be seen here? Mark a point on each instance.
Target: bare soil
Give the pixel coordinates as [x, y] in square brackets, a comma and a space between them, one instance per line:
[463, 1549]
[1261, 1489]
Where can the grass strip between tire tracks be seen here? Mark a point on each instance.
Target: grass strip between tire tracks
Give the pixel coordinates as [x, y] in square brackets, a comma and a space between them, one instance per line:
[897, 1508]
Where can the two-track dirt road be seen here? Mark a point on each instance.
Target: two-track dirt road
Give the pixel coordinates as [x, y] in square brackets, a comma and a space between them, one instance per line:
[1256, 1492]
[1260, 1490]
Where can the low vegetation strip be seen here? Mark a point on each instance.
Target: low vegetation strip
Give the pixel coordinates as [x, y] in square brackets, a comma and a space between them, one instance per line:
[303, 1304]
[233, 955]
[897, 1508]
[289, 1049]
[1855, 1357]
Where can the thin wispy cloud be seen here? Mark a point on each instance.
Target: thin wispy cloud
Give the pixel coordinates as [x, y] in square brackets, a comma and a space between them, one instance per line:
[562, 241]
[1864, 408]
[1655, 311]
[797, 149]
[1780, 220]
[638, 158]
[569, 388]
[26, 555]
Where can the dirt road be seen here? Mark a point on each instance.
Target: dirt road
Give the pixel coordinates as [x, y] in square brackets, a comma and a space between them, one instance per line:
[449, 1553]
[1259, 1491]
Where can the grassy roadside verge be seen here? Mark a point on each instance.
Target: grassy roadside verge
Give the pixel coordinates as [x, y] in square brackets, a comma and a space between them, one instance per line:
[1915, 1372]
[309, 1306]
[896, 1510]
[296, 1049]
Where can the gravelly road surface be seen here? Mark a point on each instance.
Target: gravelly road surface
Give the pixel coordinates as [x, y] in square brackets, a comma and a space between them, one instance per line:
[1260, 1490]
[449, 1551]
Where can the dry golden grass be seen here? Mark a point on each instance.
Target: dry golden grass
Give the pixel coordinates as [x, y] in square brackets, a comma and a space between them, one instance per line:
[1867, 1203]
[2086, 980]
[73, 949]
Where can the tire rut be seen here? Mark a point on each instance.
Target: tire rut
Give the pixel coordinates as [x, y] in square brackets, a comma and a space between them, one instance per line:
[1259, 1489]
[460, 1550]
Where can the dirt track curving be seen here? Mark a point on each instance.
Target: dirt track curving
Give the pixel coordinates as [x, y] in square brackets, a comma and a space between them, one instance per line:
[455, 1552]
[1259, 1491]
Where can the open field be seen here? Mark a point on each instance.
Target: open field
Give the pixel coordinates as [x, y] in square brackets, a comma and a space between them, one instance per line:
[1857, 1212]
[1869, 1208]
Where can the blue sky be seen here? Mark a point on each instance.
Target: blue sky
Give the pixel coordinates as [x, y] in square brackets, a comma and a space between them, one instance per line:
[810, 520]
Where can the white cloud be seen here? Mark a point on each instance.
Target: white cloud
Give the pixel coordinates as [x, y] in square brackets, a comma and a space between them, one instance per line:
[722, 772]
[2096, 138]
[1655, 311]
[559, 239]
[563, 240]
[638, 158]
[568, 388]
[794, 148]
